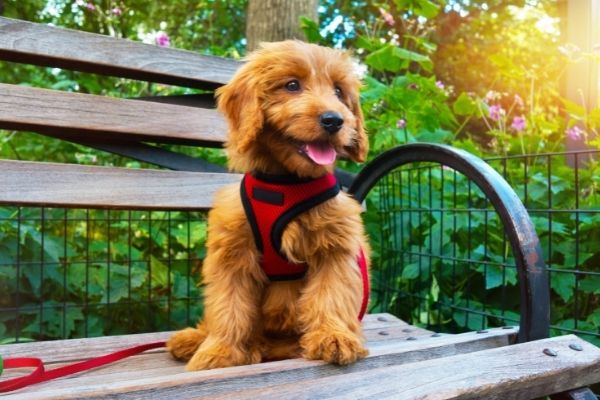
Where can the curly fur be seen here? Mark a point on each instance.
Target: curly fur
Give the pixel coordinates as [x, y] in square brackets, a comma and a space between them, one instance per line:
[247, 318]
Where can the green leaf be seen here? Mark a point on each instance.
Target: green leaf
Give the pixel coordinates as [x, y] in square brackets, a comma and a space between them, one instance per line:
[427, 9]
[437, 136]
[422, 8]
[496, 276]
[123, 277]
[310, 29]
[590, 284]
[410, 55]
[393, 59]
[384, 59]
[160, 273]
[464, 105]
[363, 42]
[563, 285]
[594, 317]
[470, 320]
[573, 108]
[410, 271]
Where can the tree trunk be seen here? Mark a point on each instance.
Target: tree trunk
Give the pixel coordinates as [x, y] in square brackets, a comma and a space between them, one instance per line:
[273, 20]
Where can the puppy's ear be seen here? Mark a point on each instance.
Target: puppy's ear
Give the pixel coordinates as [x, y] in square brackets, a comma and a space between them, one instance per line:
[359, 150]
[239, 101]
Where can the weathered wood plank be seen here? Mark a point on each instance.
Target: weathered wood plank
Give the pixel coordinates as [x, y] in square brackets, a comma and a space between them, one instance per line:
[69, 350]
[31, 43]
[67, 185]
[51, 111]
[141, 378]
[516, 372]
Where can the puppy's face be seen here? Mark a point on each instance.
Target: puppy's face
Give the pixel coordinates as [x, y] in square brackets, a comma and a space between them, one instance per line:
[293, 108]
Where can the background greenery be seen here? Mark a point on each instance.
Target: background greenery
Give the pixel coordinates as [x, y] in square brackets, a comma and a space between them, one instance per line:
[480, 75]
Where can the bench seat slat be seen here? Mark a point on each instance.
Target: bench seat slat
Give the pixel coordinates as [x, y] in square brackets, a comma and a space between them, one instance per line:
[39, 44]
[52, 111]
[161, 375]
[67, 185]
[154, 375]
[515, 372]
[69, 350]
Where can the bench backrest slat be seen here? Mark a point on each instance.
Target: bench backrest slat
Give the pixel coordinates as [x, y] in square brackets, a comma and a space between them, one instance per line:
[64, 185]
[51, 111]
[38, 44]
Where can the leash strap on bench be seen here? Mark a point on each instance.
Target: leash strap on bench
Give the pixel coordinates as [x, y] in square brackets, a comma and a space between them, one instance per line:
[41, 375]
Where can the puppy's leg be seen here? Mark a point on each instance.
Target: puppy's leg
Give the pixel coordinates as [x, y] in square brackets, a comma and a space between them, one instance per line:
[183, 344]
[232, 294]
[329, 311]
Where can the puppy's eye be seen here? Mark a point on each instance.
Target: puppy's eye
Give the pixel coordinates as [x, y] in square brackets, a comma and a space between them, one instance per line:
[338, 92]
[293, 86]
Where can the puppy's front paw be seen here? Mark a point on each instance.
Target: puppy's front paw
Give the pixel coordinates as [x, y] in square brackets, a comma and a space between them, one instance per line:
[183, 344]
[219, 355]
[333, 347]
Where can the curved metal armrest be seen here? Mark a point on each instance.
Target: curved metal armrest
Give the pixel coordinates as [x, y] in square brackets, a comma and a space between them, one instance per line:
[532, 272]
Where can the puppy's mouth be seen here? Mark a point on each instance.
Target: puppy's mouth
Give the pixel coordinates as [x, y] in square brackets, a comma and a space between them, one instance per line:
[319, 152]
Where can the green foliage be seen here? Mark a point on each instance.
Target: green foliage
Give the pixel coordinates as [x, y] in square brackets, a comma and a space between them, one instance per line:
[98, 272]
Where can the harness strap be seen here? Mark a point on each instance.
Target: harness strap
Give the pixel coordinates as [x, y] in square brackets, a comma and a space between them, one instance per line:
[271, 202]
[39, 374]
[364, 273]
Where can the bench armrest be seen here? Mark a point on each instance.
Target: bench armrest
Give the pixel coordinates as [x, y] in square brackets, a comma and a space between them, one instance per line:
[525, 244]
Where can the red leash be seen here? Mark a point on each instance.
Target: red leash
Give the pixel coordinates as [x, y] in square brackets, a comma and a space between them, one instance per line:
[41, 375]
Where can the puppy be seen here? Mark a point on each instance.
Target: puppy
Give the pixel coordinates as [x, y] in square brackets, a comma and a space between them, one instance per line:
[292, 109]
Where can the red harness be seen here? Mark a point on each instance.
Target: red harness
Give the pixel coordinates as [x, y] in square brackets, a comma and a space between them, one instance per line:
[271, 202]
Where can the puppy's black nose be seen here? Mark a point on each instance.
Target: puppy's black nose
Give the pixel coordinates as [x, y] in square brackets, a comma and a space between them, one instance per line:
[331, 121]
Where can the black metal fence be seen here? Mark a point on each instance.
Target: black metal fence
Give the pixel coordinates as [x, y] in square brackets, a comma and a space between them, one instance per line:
[444, 262]
[78, 273]
[441, 259]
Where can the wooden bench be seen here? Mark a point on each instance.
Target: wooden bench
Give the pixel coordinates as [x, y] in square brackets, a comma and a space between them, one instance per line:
[405, 361]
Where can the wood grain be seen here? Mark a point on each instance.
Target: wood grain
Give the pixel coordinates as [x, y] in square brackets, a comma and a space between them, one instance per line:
[156, 376]
[69, 350]
[31, 43]
[51, 111]
[165, 377]
[515, 372]
[65, 185]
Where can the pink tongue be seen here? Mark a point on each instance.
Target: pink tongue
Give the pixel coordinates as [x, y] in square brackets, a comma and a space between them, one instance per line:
[321, 153]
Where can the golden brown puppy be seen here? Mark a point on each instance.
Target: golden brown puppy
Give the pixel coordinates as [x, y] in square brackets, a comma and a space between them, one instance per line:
[291, 109]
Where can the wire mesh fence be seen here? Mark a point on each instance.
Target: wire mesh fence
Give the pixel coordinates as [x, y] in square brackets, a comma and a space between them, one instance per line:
[444, 262]
[441, 259]
[79, 273]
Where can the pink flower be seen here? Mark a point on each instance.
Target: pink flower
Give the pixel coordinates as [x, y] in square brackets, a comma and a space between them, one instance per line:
[116, 11]
[90, 6]
[491, 96]
[162, 39]
[518, 123]
[387, 17]
[440, 85]
[519, 100]
[401, 123]
[496, 112]
[575, 133]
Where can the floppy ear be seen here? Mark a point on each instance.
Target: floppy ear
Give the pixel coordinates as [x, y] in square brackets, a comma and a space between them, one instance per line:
[239, 101]
[359, 150]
